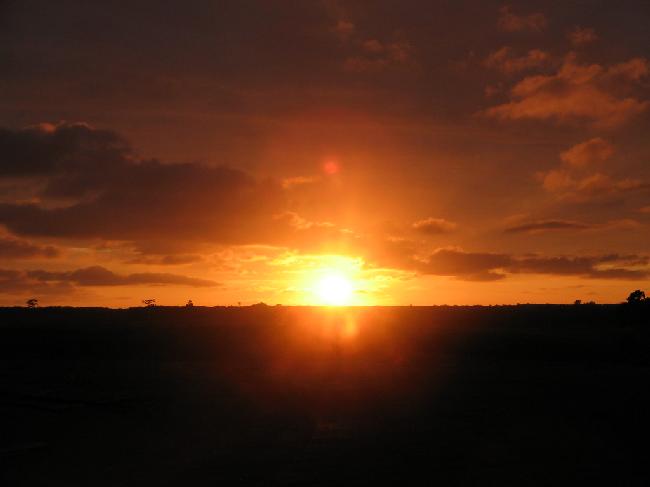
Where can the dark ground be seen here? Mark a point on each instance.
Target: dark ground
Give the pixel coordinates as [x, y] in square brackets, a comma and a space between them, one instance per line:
[526, 395]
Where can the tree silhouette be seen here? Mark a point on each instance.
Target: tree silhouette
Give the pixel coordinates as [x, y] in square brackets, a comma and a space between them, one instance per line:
[577, 302]
[636, 297]
[149, 302]
[32, 303]
[189, 304]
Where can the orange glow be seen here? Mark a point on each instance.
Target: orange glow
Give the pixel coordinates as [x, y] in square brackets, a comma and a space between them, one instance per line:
[334, 290]
[329, 280]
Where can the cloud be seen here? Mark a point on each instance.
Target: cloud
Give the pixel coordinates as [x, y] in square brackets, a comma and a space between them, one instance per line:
[546, 225]
[556, 180]
[564, 225]
[18, 282]
[170, 259]
[586, 153]
[600, 267]
[371, 55]
[59, 149]
[378, 57]
[13, 248]
[434, 226]
[511, 22]
[581, 36]
[507, 62]
[577, 93]
[633, 70]
[110, 194]
[603, 184]
[154, 200]
[565, 184]
[465, 265]
[573, 179]
[100, 276]
[391, 252]
[47, 283]
[160, 209]
[486, 266]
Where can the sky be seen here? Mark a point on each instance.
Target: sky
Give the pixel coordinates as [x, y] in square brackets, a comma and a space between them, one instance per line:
[415, 152]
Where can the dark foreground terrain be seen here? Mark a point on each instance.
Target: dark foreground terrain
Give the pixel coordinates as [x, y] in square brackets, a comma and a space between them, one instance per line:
[527, 395]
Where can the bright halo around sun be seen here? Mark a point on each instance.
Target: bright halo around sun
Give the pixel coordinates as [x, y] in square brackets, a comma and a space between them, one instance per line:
[334, 290]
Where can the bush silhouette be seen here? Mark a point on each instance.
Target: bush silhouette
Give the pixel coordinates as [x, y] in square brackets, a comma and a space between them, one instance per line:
[636, 297]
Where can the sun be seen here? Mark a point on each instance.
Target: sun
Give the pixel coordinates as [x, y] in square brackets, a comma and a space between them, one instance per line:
[334, 290]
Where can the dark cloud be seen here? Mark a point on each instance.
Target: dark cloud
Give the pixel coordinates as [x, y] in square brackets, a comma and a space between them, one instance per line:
[154, 204]
[59, 149]
[170, 259]
[100, 276]
[465, 265]
[13, 282]
[603, 267]
[66, 284]
[625, 259]
[122, 198]
[480, 266]
[546, 225]
[13, 248]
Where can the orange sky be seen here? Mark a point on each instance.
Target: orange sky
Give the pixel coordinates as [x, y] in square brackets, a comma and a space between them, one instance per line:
[225, 152]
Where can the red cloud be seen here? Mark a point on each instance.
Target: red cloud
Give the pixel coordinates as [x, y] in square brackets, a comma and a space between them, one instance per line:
[576, 92]
[573, 181]
[587, 153]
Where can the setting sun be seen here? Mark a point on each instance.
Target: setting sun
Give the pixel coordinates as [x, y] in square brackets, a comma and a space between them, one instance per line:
[334, 290]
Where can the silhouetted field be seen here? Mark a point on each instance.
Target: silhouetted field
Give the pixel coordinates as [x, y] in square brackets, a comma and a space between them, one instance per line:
[526, 395]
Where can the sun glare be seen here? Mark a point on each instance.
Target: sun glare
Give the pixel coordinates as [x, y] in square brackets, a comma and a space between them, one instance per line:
[334, 290]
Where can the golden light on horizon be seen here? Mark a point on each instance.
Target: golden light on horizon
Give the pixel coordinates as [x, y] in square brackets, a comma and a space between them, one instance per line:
[334, 289]
[328, 280]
